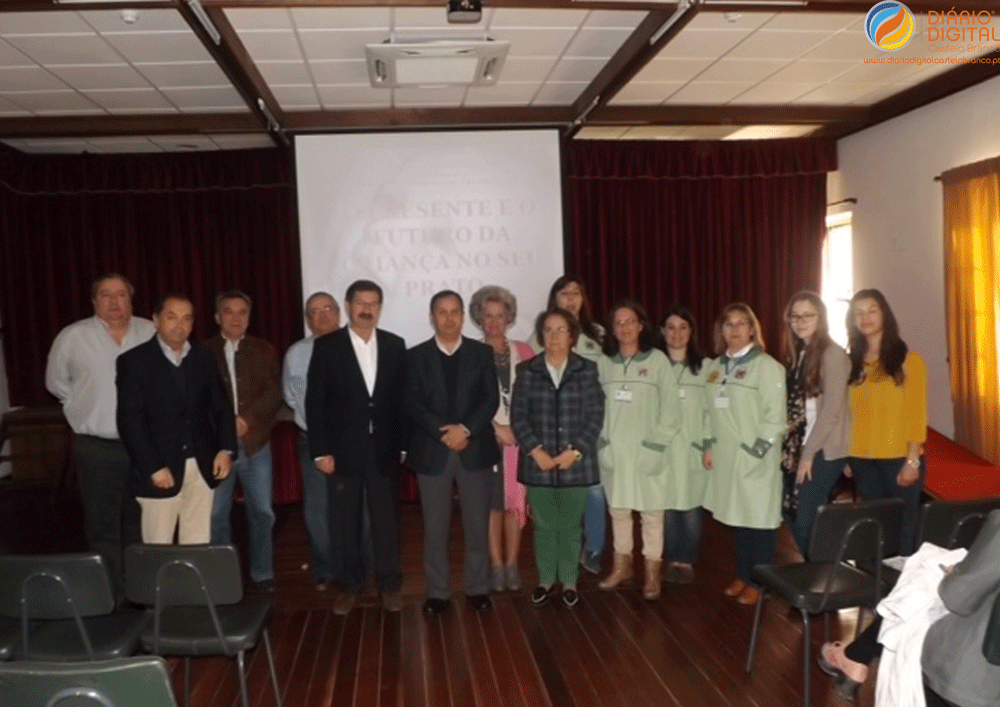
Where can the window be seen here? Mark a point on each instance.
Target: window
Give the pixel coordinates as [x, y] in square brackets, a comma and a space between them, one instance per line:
[837, 284]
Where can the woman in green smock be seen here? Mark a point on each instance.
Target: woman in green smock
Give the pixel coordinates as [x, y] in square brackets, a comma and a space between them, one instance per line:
[745, 398]
[687, 474]
[640, 421]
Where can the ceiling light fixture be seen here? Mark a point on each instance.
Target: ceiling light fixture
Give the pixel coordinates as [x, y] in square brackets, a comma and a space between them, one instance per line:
[436, 62]
[682, 8]
[205, 20]
[465, 11]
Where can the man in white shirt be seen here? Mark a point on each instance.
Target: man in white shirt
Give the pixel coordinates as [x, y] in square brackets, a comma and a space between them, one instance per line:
[355, 423]
[81, 374]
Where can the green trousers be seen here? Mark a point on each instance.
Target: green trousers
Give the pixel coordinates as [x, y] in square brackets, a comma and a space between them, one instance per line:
[556, 513]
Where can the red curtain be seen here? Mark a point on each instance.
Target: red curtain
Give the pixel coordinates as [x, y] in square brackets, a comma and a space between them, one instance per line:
[191, 223]
[698, 223]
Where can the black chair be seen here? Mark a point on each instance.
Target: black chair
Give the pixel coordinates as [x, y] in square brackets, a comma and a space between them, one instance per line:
[841, 533]
[951, 524]
[991, 641]
[122, 682]
[8, 637]
[196, 592]
[66, 609]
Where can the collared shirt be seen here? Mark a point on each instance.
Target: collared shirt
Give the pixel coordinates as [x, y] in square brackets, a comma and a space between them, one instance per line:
[556, 373]
[293, 377]
[367, 353]
[81, 372]
[171, 354]
[444, 349]
[733, 360]
[229, 349]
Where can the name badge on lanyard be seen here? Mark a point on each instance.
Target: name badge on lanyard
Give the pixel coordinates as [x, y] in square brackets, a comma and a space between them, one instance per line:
[624, 396]
[721, 403]
[681, 393]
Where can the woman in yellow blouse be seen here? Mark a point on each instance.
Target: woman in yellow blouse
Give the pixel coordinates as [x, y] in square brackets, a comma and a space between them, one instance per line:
[888, 398]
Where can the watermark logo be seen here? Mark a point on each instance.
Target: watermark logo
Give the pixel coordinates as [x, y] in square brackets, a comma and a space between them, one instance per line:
[889, 25]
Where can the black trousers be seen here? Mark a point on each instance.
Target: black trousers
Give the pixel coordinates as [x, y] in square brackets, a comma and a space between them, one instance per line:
[110, 514]
[348, 494]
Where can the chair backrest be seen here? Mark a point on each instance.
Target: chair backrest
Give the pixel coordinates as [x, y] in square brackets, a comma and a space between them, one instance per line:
[991, 642]
[182, 575]
[951, 524]
[51, 587]
[123, 682]
[853, 531]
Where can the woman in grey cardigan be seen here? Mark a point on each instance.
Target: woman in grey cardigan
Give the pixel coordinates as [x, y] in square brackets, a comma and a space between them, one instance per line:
[556, 414]
[814, 451]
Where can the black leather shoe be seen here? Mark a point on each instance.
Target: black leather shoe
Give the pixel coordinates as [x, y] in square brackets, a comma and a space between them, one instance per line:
[433, 607]
[540, 595]
[480, 602]
[570, 597]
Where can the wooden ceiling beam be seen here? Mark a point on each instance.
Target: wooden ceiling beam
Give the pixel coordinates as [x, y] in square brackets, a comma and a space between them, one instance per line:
[725, 115]
[457, 118]
[126, 125]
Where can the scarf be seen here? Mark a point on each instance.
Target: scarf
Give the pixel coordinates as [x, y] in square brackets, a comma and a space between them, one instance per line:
[791, 445]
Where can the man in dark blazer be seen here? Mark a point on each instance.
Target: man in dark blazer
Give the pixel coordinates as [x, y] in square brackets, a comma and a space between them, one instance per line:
[355, 426]
[176, 425]
[451, 398]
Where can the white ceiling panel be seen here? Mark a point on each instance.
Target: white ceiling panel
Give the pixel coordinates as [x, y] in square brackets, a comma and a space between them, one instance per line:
[9, 108]
[706, 93]
[29, 78]
[535, 42]
[159, 47]
[66, 49]
[242, 142]
[613, 18]
[576, 69]
[272, 45]
[559, 94]
[141, 100]
[672, 70]
[42, 23]
[771, 132]
[435, 17]
[737, 70]
[341, 17]
[285, 73]
[259, 18]
[637, 93]
[776, 45]
[186, 74]
[9, 56]
[598, 42]
[814, 72]
[515, 17]
[657, 132]
[527, 68]
[296, 97]
[838, 94]
[52, 102]
[877, 73]
[442, 97]
[119, 145]
[148, 20]
[214, 98]
[333, 97]
[502, 93]
[842, 46]
[702, 44]
[729, 20]
[339, 72]
[772, 93]
[600, 132]
[54, 146]
[813, 21]
[98, 77]
[709, 132]
[339, 44]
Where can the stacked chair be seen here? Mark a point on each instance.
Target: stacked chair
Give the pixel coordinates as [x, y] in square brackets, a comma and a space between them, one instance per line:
[120, 682]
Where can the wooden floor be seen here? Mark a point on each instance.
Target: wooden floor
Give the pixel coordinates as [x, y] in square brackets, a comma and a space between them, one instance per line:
[613, 650]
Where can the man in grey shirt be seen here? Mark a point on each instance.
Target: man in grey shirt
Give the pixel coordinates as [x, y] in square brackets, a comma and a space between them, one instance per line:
[81, 374]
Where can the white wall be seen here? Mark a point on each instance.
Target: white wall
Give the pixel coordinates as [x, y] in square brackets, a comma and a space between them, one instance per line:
[898, 220]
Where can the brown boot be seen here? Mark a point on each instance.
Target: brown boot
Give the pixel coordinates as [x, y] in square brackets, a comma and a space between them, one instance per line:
[651, 589]
[621, 572]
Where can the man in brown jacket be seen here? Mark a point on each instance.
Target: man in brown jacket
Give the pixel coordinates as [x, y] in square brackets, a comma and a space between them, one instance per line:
[251, 377]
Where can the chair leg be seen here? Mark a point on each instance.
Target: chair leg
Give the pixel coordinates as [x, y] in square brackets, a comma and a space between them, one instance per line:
[187, 681]
[753, 632]
[243, 680]
[270, 664]
[806, 664]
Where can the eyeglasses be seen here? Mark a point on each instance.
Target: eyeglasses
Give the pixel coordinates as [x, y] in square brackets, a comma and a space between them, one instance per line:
[796, 318]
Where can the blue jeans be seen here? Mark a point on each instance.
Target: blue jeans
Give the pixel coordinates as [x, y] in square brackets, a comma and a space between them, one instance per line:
[876, 478]
[683, 535]
[254, 474]
[754, 546]
[314, 511]
[813, 493]
[595, 521]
